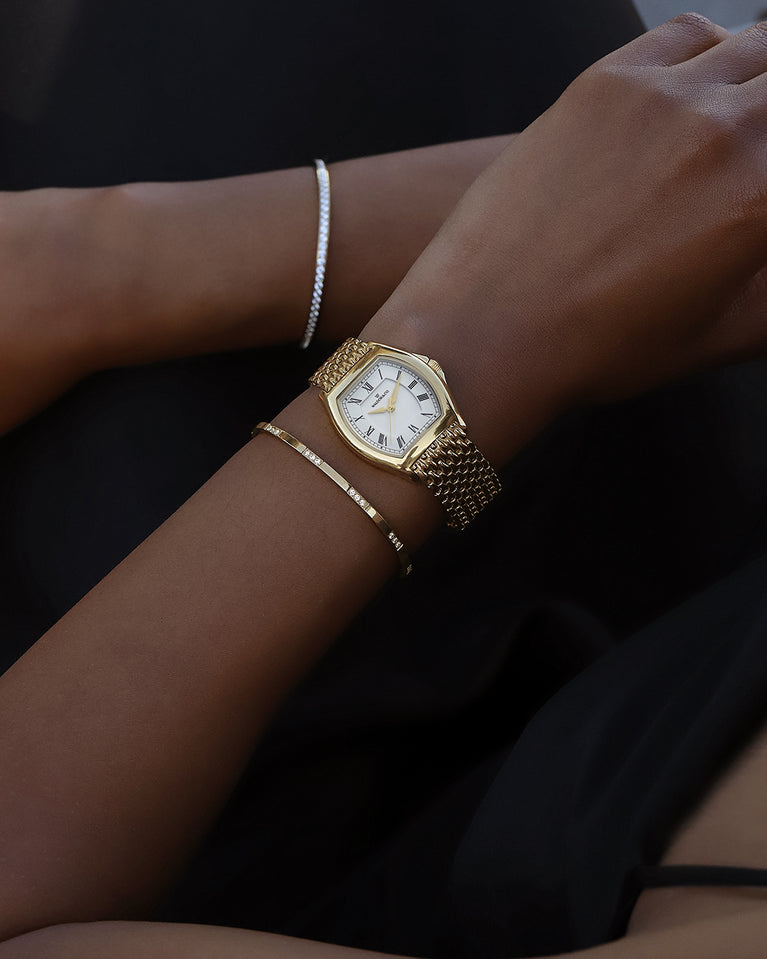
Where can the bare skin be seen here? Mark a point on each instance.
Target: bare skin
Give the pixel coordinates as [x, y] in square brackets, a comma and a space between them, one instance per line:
[708, 939]
[128, 708]
[728, 828]
[151, 271]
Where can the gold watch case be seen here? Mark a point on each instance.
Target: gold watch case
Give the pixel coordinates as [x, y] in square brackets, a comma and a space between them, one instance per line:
[431, 371]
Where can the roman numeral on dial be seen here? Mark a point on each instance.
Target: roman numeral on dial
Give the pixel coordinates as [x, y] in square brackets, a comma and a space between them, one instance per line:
[422, 396]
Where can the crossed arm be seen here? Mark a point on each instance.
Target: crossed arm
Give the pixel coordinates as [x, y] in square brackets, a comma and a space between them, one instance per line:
[152, 271]
[150, 695]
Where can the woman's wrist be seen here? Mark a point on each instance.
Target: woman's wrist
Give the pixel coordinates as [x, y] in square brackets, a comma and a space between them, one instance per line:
[499, 427]
[507, 396]
[161, 270]
[229, 263]
[192, 274]
[217, 265]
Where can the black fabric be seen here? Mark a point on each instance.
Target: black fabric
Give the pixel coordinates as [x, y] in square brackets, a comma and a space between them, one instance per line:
[490, 789]
[185, 89]
[539, 847]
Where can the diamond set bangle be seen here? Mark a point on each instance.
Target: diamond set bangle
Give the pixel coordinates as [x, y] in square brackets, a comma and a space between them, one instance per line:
[403, 557]
[323, 235]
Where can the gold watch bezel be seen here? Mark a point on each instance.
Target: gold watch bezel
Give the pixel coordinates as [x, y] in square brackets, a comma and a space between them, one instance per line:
[431, 371]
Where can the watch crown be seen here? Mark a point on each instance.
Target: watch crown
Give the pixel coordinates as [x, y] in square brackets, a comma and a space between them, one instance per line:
[437, 369]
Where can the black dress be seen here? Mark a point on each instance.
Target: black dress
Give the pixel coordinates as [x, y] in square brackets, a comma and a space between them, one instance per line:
[493, 788]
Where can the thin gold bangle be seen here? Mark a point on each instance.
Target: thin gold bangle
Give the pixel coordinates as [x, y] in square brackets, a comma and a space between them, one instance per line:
[406, 566]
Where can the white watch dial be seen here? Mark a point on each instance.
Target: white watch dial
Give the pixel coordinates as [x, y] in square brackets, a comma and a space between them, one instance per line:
[389, 406]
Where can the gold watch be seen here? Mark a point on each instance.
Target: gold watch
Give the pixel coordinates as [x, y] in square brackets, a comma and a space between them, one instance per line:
[394, 409]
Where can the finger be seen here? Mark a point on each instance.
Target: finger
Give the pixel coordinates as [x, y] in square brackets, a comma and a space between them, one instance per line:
[674, 42]
[738, 59]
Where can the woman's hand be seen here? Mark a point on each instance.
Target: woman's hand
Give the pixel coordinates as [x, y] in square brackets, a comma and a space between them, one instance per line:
[615, 243]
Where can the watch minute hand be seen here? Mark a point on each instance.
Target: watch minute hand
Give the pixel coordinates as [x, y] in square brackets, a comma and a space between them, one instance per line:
[393, 399]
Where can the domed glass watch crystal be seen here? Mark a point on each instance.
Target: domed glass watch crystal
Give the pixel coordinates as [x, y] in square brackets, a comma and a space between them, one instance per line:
[389, 405]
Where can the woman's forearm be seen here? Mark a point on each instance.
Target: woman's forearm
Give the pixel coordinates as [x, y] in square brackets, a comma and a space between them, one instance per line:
[226, 264]
[151, 271]
[126, 726]
[740, 936]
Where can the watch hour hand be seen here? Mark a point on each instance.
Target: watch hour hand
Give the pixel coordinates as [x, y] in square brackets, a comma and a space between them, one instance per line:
[381, 409]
